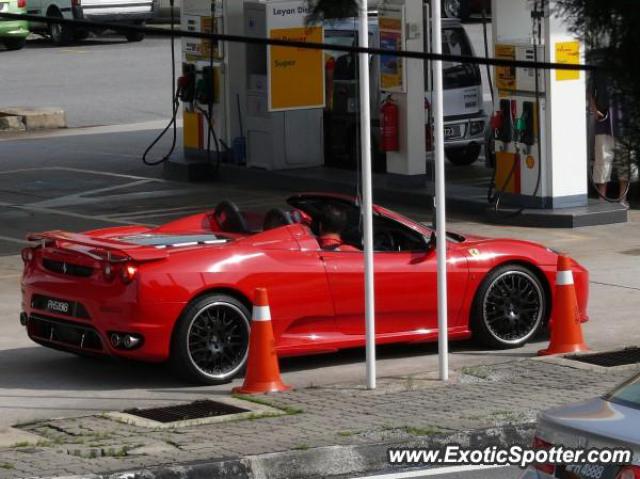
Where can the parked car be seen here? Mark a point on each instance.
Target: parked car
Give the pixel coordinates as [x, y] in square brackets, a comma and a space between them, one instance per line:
[13, 33]
[134, 12]
[183, 292]
[463, 9]
[611, 421]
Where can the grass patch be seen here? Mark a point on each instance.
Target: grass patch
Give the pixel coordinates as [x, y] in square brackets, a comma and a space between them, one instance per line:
[301, 447]
[288, 410]
[414, 430]
[345, 433]
[421, 431]
[480, 372]
[21, 444]
[96, 453]
[7, 465]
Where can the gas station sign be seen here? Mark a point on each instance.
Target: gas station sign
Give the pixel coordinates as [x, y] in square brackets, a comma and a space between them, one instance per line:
[568, 53]
[392, 36]
[296, 75]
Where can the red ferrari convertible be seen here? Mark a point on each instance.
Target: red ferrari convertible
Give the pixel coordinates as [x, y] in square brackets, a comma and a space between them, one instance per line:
[182, 292]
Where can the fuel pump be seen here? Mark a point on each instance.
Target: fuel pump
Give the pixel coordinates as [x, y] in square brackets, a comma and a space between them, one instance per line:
[203, 76]
[516, 129]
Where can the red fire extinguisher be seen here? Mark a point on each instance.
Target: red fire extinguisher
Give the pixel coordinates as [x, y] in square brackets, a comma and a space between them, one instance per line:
[389, 137]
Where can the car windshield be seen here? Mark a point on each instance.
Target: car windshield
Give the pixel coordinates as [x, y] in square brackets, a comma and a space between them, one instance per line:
[628, 394]
[458, 75]
[454, 42]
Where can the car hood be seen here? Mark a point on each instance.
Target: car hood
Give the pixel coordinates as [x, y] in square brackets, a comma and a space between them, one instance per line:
[597, 421]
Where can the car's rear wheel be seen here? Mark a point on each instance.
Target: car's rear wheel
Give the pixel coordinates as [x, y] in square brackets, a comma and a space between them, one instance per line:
[463, 155]
[510, 307]
[60, 34]
[211, 340]
[79, 35]
[14, 43]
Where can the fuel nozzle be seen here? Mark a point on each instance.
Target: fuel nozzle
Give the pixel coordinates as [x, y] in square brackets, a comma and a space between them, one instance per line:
[502, 124]
[186, 83]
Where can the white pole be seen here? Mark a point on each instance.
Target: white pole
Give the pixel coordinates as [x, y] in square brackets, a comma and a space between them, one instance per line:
[367, 204]
[441, 220]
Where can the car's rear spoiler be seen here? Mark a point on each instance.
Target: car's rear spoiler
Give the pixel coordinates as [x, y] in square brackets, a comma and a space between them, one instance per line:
[110, 247]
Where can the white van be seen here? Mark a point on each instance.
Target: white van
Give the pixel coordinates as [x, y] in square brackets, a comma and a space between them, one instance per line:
[465, 120]
[134, 12]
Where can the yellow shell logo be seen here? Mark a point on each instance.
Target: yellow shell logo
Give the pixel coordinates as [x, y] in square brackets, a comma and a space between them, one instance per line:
[531, 162]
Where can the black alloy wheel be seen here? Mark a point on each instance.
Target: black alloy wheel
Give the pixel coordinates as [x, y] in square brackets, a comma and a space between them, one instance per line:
[510, 307]
[211, 340]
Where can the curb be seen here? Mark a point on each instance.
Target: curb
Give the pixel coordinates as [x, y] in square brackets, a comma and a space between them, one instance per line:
[27, 119]
[325, 461]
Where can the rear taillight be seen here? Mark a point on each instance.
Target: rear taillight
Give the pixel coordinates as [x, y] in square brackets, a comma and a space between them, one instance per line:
[22, 3]
[128, 273]
[75, 3]
[538, 443]
[629, 472]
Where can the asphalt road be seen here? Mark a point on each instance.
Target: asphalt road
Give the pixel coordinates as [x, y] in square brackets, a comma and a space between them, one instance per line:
[100, 81]
[106, 80]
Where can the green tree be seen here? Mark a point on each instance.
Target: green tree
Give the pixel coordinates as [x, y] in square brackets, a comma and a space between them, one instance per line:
[611, 30]
[333, 8]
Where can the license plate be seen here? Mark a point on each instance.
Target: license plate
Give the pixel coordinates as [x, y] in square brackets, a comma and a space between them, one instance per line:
[587, 471]
[451, 132]
[52, 305]
[57, 306]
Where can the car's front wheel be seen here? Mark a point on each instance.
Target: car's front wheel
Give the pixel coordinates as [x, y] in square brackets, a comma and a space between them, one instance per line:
[14, 43]
[510, 307]
[211, 340]
[60, 34]
[135, 36]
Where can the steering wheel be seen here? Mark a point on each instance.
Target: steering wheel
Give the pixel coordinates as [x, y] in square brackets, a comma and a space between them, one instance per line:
[384, 241]
[228, 216]
[275, 218]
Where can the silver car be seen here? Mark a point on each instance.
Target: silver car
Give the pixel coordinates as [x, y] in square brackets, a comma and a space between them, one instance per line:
[611, 421]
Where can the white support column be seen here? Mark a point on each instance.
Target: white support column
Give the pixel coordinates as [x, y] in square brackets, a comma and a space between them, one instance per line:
[441, 220]
[411, 159]
[367, 200]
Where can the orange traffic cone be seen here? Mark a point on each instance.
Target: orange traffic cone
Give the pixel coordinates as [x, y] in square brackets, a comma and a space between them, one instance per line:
[263, 372]
[566, 331]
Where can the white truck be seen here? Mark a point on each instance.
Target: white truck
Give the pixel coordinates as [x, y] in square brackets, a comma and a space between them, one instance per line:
[133, 12]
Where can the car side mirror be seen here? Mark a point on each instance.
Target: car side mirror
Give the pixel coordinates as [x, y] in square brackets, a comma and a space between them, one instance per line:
[431, 242]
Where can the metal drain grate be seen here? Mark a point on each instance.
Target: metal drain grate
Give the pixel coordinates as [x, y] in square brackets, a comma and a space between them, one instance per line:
[185, 412]
[610, 359]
